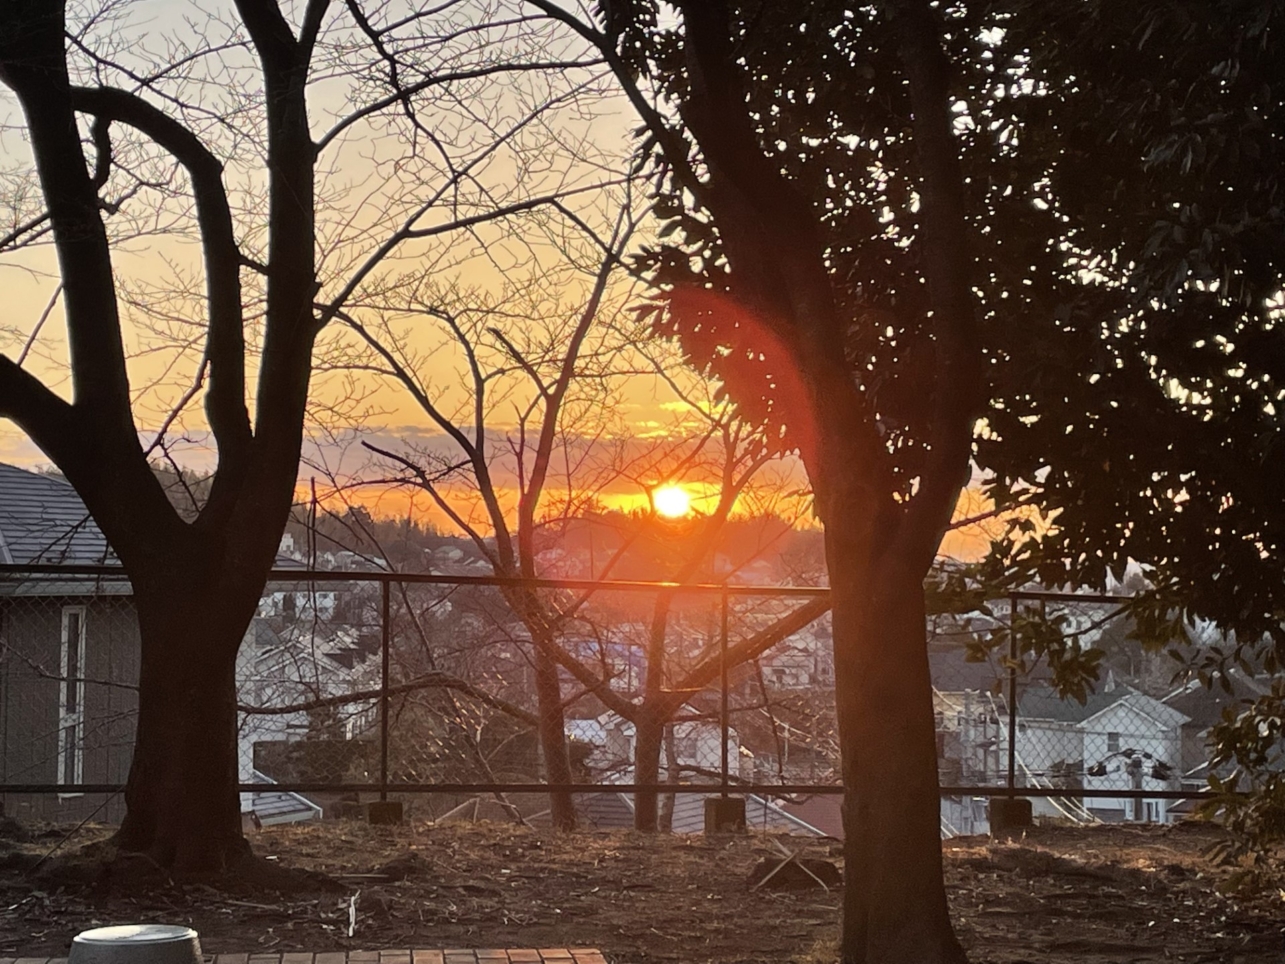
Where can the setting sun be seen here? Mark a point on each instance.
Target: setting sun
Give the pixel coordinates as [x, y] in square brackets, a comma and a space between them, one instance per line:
[672, 501]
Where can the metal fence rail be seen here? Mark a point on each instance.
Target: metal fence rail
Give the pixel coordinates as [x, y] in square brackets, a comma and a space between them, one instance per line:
[428, 685]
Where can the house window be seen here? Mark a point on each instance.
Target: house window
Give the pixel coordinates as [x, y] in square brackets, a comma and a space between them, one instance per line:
[1113, 742]
[71, 702]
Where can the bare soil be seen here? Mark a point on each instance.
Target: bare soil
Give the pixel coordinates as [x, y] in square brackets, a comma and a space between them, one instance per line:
[1057, 895]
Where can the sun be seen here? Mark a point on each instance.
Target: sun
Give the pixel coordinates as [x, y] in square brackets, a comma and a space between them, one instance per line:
[672, 501]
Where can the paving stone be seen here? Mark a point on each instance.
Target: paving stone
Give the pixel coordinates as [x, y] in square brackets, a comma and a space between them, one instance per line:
[451, 955]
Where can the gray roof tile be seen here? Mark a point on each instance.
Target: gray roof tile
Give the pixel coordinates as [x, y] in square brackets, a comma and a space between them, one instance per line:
[43, 520]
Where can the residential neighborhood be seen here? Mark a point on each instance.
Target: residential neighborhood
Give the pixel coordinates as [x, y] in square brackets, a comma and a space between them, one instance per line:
[70, 662]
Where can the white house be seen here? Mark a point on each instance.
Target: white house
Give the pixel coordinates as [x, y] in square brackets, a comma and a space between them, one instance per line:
[1119, 739]
[298, 667]
[1134, 743]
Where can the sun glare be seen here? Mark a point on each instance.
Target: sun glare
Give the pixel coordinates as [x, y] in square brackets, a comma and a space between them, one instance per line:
[672, 501]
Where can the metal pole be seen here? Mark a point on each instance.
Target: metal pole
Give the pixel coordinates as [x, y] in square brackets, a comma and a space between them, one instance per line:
[385, 620]
[1012, 694]
[722, 643]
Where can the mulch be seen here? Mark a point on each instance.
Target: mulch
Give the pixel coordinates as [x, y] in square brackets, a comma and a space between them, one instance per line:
[1057, 895]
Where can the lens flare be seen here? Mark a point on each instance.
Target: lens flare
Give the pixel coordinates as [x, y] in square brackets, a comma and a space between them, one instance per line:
[672, 501]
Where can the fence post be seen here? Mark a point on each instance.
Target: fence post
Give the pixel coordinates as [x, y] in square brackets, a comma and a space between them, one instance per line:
[384, 633]
[1012, 694]
[723, 723]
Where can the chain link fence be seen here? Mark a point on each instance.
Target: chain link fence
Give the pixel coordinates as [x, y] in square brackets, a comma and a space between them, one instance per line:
[476, 696]
[1011, 718]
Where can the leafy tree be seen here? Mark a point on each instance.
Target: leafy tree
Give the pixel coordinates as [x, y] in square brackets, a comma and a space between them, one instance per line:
[1150, 424]
[819, 260]
[1147, 428]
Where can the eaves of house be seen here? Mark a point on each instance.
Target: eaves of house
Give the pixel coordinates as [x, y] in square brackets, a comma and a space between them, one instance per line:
[1164, 717]
[273, 806]
[1044, 703]
[615, 811]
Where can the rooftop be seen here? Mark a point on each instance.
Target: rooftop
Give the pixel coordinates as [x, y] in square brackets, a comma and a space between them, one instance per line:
[43, 520]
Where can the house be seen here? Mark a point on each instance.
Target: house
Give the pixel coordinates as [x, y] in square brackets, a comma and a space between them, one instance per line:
[1132, 743]
[269, 807]
[960, 816]
[1123, 737]
[68, 655]
[304, 664]
[1118, 739]
[969, 706]
[1204, 705]
[804, 660]
[696, 750]
[69, 663]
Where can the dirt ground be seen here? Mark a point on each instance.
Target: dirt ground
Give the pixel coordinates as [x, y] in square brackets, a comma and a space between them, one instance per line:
[1056, 896]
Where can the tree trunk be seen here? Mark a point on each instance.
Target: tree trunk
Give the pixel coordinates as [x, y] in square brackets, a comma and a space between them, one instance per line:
[895, 909]
[665, 824]
[553, 739]
[183, 807]
[648, 736]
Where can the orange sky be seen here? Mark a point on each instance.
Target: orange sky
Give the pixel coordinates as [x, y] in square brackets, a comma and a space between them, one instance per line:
[643, 408]
[968, 542]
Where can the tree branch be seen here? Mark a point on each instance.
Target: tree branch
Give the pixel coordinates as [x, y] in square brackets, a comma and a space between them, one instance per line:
[427, 483]
[747, 649]
[46, 419]
[674, 147]
[957, 394]
[33, 65]
[434, 680]
[16, 235]
[225, 403]
[554, 399]
[400, 95]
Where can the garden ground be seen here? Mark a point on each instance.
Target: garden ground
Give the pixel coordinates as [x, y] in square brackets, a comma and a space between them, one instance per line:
[1057, 895]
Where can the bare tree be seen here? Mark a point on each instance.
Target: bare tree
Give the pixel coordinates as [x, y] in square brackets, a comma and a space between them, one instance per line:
[232, 110]
[548, 363]
[552, 376]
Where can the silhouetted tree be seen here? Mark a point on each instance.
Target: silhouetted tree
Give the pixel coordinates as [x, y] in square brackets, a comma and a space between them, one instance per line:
[197, 580]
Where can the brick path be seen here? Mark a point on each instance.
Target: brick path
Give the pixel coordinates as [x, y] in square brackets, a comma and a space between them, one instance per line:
[544, 955]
